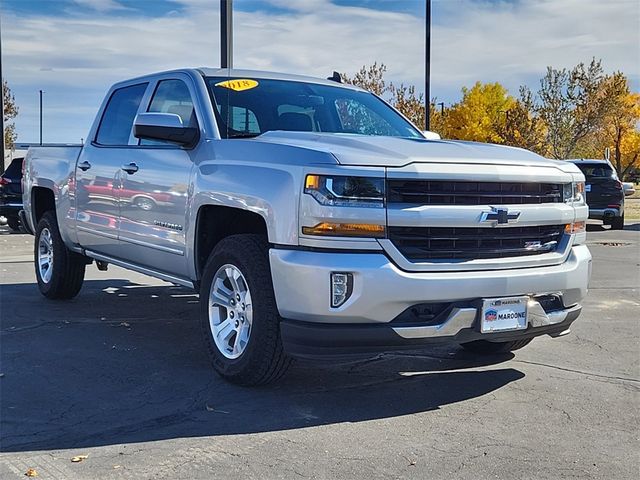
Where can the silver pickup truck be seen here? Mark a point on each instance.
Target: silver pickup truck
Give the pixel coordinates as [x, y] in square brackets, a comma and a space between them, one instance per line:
[313, 219]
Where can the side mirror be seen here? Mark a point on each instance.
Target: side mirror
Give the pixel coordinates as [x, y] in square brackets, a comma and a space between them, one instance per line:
[429, 135]
[164, 126]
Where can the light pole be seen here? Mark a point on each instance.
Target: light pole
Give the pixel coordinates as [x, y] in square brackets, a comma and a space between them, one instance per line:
[226, 33]
[1, 102]
[427, 67]
[441, 108]
[41, 92]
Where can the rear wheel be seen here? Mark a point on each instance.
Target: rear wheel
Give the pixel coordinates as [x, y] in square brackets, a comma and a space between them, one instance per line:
[617, 223]
[239, 318]
[484, 347]
[59, 271]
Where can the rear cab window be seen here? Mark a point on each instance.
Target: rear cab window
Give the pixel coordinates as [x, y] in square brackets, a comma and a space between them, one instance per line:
[117, 119]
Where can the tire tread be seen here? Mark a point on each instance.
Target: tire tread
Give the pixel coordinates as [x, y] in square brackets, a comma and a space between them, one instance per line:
[269, 361]
[68, 267]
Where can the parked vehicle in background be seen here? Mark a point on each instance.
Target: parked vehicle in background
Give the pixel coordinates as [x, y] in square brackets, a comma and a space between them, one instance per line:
[11, 193]
[628, 188]
[604, 191]
[313, 218]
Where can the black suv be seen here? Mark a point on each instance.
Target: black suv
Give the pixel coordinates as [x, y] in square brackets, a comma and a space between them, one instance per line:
[605, 195]
[11, 193]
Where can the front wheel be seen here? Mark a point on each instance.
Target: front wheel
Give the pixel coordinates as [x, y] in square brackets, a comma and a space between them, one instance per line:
[238, 314]
[484, 347]
[59, 271]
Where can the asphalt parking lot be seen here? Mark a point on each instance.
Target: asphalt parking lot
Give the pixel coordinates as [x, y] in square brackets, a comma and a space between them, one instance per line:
[118, 375]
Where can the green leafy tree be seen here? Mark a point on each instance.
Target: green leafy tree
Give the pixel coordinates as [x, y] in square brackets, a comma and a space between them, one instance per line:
[572, 104]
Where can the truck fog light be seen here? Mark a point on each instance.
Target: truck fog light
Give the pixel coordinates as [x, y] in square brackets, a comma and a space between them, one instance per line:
[341, 288]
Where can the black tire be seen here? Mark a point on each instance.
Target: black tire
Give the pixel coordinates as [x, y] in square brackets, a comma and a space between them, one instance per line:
[484, 347]
[13, 223]
[617, 223]
[263, 360]
[67, 267]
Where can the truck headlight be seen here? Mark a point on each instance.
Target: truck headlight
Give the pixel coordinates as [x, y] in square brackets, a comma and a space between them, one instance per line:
[339, 191]
[574, 193]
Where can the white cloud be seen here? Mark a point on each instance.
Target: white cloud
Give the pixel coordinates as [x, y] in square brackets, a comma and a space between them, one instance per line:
[510, 42]
[101, 5]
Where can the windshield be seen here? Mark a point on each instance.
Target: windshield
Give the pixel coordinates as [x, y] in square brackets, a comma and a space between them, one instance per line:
[248, 107]
[597, 170]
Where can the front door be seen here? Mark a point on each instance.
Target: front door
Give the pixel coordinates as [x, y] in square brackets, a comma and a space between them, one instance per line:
[155, 183]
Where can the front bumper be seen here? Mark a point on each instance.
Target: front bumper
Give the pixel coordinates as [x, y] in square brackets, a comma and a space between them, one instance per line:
[310, 340]
[381, 292]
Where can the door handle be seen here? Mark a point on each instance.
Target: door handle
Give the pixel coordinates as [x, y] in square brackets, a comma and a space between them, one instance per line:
[84, 166]
[130, 168]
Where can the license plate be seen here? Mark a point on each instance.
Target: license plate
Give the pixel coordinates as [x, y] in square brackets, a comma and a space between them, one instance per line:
[504, 314]
[587, 188]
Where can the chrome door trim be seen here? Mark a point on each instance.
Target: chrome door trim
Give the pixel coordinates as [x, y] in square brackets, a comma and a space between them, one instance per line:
[162, 248]
[96, 232]
[144, 270]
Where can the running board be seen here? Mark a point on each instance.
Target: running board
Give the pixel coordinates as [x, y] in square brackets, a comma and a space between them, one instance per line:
[137, 268]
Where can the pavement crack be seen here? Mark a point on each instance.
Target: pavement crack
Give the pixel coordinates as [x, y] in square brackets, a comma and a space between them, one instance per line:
[580, 372]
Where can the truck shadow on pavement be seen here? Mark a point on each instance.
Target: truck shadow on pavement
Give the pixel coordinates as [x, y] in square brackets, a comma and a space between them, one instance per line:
[124, 363]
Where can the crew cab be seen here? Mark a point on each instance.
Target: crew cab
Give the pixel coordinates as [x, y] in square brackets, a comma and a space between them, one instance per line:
[313, 218]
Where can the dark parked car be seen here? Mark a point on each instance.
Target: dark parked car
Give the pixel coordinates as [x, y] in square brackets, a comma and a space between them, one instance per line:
[11, 193]
[605, 194]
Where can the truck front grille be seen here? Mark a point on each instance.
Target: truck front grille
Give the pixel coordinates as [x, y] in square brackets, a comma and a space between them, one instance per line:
[439, 192]
[420, 244]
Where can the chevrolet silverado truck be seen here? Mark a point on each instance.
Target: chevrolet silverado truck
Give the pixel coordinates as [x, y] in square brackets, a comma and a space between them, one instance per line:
[312, 218]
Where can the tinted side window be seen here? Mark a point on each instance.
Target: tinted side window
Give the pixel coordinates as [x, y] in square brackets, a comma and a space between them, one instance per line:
[117, 120]
[172, 96]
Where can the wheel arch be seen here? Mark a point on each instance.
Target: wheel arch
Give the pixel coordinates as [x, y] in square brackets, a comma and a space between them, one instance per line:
[216, 222]
[42, 200]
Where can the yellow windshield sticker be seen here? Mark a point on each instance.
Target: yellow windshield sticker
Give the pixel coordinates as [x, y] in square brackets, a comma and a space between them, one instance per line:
[238, 84]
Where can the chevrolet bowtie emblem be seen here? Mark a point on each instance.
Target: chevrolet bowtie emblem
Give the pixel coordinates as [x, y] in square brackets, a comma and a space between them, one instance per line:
[499, 216]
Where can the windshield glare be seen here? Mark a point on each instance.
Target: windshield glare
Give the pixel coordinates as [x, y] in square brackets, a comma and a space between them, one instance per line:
[249, 107]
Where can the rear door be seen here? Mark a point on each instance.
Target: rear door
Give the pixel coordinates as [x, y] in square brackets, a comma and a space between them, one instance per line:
[153, 199]
[602, 186]
[98, 172]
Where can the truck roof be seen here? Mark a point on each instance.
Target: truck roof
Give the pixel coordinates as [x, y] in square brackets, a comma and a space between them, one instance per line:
[242, 73]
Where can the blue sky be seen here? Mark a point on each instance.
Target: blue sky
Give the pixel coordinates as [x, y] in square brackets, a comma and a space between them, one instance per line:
[75, 49]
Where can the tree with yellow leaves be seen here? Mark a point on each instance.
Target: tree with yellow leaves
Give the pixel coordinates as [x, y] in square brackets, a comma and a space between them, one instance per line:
[620, 124]
[481, 115]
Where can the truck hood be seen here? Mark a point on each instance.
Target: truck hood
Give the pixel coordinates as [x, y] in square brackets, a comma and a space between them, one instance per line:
[374, 151]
